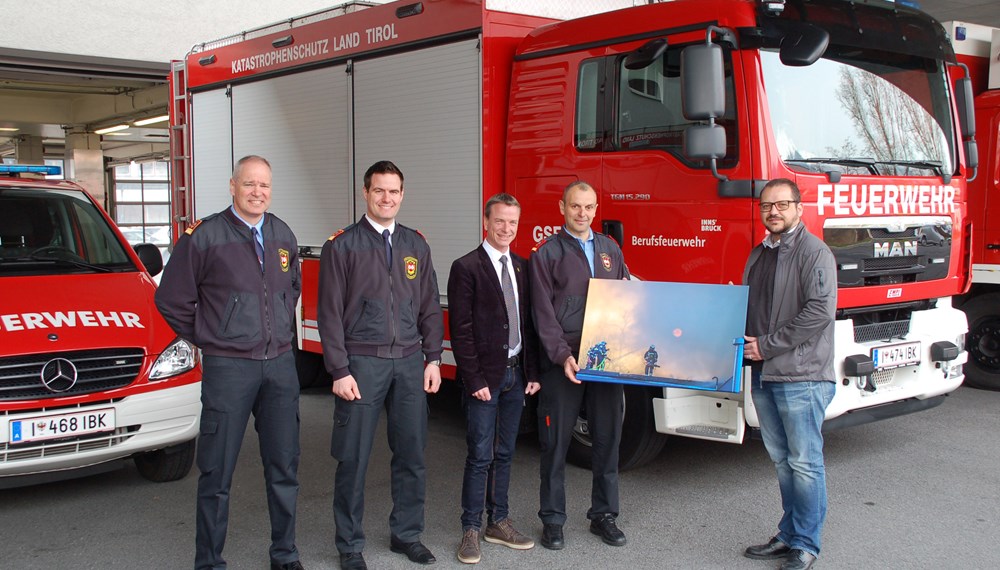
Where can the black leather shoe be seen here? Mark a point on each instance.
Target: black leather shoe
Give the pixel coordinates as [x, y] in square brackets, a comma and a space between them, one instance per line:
[773, 550]
[415, 551]
[287, 566]
[798, 560]
[352, 561]
[606, 528]
[552, 537]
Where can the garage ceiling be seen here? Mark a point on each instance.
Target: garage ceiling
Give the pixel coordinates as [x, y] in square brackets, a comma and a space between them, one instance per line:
[50, 94]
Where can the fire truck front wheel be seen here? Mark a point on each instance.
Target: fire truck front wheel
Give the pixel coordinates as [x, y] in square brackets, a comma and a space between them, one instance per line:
[640, 444]
[169, 464]
[983, 342]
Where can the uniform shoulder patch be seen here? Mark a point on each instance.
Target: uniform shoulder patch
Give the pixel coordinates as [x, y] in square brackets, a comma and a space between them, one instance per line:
[400, 226]
[335, 234]
[193, 227]
[542, 242]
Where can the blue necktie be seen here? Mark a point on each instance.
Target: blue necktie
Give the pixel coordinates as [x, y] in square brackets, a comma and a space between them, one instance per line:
[388, 249]
[260, 248]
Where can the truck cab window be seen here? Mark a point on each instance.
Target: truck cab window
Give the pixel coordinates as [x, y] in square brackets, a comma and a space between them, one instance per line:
[649, 115]
[589, 131]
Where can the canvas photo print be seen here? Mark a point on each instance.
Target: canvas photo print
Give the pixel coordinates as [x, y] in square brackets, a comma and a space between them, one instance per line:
[683, 335]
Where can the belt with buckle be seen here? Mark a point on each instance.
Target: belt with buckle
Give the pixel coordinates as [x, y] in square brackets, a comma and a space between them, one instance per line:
[514, 361]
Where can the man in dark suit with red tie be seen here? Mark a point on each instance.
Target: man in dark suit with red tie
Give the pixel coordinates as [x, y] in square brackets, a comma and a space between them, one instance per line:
[494, 345]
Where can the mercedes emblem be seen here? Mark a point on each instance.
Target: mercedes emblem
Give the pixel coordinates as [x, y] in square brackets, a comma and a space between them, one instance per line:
[58, 375]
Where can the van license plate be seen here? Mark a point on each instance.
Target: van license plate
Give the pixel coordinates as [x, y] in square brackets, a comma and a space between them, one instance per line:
[62, 425]
[896, 355]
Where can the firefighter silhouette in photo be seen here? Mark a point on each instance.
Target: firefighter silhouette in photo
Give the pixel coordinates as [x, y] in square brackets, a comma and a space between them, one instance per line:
[651, 357]
[597, 356]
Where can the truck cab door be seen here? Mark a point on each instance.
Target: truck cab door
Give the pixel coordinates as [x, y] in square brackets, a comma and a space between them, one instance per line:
[668, 211]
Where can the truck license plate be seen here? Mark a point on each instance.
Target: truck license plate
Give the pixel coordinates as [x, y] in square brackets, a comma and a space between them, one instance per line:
[896, 355]
[62, 425]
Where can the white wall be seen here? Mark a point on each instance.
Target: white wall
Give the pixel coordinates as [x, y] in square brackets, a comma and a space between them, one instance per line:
[143, 30]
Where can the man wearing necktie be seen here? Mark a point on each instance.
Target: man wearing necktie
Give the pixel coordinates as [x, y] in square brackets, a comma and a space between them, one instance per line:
[381, 329]
[561, 268]
[494, 344]
[231, 287]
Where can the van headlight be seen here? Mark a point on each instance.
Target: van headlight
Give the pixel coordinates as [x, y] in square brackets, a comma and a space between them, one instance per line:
[179, 357]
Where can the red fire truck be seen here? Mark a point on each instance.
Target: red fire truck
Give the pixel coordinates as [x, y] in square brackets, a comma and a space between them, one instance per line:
[677, 112]
[978, 47]
[89, 371]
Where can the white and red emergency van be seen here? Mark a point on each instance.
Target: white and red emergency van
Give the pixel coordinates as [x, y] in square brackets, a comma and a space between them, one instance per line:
[852, 100]
[90, 373]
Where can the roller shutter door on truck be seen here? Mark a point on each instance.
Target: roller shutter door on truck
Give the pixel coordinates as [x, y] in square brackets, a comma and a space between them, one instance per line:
[299, 123]
[212, 150]
[422, 110]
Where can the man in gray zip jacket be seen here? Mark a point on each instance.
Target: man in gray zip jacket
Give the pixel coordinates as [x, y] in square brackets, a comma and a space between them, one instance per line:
[789, 340]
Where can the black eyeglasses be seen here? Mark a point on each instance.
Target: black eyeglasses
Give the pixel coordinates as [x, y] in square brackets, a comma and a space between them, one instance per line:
[781, 205]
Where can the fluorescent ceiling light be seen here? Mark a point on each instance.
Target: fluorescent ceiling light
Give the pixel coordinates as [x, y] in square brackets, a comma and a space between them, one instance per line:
[118, 134]
[151, 120]
[9, 129]
[112, 129]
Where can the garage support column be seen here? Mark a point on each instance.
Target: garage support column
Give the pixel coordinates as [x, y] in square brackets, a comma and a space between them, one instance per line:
[85, 163]
[28, 150]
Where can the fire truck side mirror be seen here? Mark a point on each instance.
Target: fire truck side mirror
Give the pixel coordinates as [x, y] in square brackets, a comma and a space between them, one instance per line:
[705, 141]
[803, 44]
[971, 156]
[703, 93]
[644, 56]
[150, 257]
[966, 109]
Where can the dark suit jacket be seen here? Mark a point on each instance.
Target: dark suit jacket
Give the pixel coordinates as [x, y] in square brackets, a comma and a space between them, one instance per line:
[477, 319]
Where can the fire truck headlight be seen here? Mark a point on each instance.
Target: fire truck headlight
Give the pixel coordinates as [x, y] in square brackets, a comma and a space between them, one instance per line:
[179, 357]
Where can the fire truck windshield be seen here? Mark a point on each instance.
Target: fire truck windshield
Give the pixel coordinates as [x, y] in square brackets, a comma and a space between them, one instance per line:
[861, 115]
[48, 231]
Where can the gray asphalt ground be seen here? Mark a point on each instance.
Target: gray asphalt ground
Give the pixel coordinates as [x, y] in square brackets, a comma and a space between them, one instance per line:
[920, 491]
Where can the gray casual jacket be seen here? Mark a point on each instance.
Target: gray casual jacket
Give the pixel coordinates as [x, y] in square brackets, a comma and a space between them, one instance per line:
[799, 346]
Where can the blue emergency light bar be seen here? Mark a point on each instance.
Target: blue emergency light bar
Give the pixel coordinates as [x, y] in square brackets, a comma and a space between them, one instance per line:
[34, 168]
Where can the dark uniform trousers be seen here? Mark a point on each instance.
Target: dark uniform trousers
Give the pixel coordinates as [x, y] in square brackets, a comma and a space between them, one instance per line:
[398, 385]
[560, 402]
[232, 389]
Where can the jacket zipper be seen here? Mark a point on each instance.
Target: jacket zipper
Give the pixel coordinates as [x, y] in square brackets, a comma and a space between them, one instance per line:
[392, 310]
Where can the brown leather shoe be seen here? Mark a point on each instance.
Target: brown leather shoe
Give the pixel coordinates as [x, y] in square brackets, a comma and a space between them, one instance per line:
[504, 533]
[468, 551]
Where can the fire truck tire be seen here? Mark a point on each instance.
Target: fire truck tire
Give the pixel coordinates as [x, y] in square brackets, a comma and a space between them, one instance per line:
[310, 368]
[168, 464]
[983, 342]
[640, 444]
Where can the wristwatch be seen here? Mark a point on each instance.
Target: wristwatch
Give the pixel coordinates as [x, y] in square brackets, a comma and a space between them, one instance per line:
[435, 362]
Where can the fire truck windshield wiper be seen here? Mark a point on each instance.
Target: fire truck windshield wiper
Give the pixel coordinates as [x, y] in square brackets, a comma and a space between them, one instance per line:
[934, 165]
[868, 163]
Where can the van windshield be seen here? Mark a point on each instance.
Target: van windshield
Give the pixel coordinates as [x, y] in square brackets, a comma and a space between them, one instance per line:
[56, 231]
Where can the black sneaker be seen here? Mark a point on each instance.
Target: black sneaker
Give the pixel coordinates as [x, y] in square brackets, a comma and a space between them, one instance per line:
[605, 527]
[552, 537]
